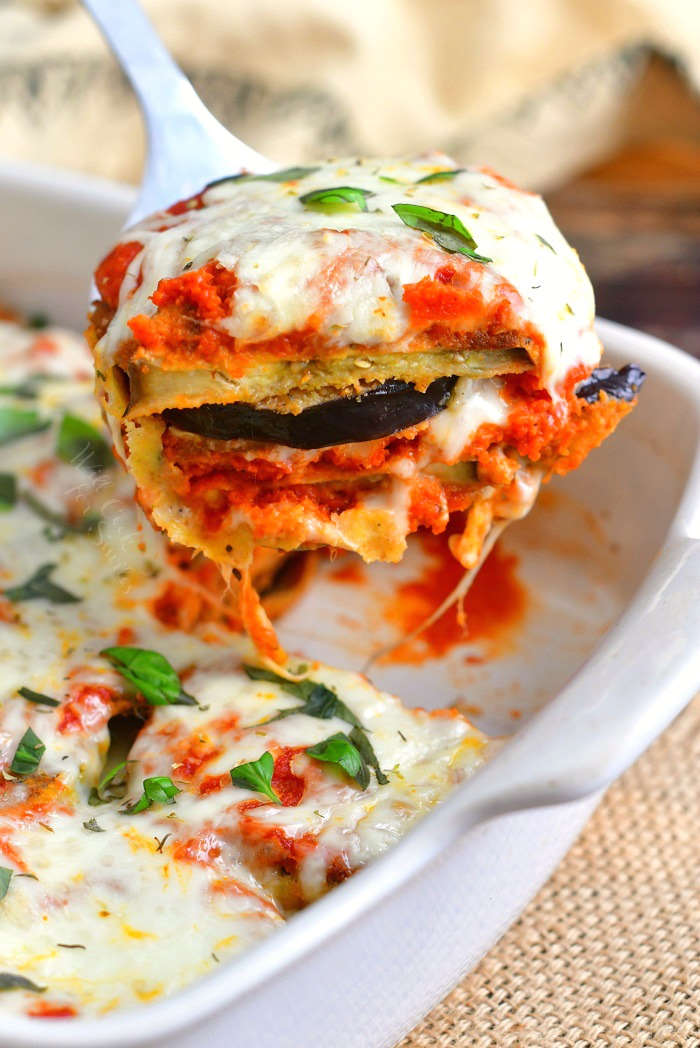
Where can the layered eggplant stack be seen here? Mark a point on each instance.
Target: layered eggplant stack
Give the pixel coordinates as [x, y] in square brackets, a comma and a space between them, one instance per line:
[339, 355]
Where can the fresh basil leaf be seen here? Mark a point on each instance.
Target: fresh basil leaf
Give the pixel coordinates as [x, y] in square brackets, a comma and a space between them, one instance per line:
[295, 687]
[366, 751]
[5, 878]
[58, 525]
[545, 242]
[8, 491]
[287, 174]
[116, 789]
[339, 198]
[440, 176]
[338, 749]
[38, 321]
[40, 587]
[256, 776]
[24, 390]
[151, 674]
[446, 230]
[323, 703]
[93, 826]
[318, 700]
[38, 697]
[160, 789]
[28, 754]
[10, 981]
[18, 422]
[81, 444]
[394, 181]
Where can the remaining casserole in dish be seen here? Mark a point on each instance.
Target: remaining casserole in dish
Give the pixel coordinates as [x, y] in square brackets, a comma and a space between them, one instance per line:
[340, 355]
[161, 806]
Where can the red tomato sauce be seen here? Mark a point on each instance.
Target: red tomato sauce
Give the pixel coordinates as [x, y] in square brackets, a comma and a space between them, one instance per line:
[47, 1010]
[493, 608]
[350, 571]
[271, 847]
[112, 269]
[288, 786]
[89, 708]
[202, 849]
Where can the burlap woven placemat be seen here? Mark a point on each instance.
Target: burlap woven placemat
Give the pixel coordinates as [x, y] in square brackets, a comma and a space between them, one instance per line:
[608, 954]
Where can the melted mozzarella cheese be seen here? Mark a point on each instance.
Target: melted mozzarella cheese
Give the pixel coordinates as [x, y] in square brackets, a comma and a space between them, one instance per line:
[473, 403]
[111, 897]
[349, 268]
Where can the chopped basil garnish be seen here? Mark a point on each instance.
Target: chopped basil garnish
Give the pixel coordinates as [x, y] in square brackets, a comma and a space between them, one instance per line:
[38, 321]
[446, 230]
[295, 687]
[440, 176]
[338, 749]
[339, 198]
[58, 525]
[40, 587]
[25, 390]
[257, 776]
[318, 700]
[38, 697]
[93, 826]
[545, 242]
[81, 444]
[5, 878]
[8, 491]
[160, 789]
[287, 174]
[16, 423]
[366, 751]
[28, 754]
[323, 703]
[101, 795]
[151, 674]
[9, 981]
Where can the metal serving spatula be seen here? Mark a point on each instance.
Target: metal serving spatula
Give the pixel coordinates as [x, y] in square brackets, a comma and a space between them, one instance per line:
[187, 146]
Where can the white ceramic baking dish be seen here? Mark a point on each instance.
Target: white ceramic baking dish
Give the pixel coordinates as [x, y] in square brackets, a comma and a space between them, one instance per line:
[361, 966]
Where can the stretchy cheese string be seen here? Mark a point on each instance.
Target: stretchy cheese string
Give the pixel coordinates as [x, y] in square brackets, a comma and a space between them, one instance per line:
[258, 625]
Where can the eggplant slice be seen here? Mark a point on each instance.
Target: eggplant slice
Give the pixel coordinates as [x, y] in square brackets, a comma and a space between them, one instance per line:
[621, 385]
[391, 407]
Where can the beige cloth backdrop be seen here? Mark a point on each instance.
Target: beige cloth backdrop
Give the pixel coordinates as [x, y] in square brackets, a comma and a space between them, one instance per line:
[536, 88]
[608, 954]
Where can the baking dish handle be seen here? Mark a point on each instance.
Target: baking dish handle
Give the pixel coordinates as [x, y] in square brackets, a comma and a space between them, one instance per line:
[643, 674]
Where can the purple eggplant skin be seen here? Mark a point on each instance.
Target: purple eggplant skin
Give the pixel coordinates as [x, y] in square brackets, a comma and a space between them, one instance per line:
[391, 407]
[622, 385]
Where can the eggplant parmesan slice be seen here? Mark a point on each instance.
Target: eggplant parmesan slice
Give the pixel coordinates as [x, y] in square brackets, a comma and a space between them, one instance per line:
[342, 354]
